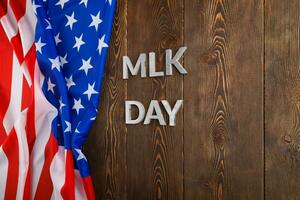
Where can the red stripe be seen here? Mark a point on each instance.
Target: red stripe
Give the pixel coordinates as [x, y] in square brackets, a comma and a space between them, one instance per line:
[18, 7]
[11, 150]
[68, 190]
[3, 8]
[45, 185]
[28, 98]
[28, 101]
[30, 60]
[6, 52]
[17, 45]
[26, 194]
[88, 187]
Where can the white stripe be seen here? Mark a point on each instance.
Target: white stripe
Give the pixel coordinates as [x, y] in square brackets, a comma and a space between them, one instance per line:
[3, 170]
[26, 74]
[13, 112]
[9, 23]
[27, 27]
[44, 115]
[79, 188]
[57, 173]
[23, 153]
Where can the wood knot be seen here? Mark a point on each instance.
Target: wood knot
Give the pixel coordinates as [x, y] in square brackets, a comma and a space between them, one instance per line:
[210, 58]
[218, 137]
[287, 138]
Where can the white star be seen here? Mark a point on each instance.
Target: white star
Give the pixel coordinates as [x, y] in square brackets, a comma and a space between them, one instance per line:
[77, 105]
[61, 3]
[61, 104]
[49, 25]
[78, 42]
[101, 44]
[90, 91]
[63, 60]
[34, 7]
[39, 45]
[76, 130]
[83, 2]
[71, 20]
[95, 21]
[80, 155]
[109, 1]
[57, 39]
[50, 86]
[68, 129]
[70, 82]
[55, 63]
[86, 65]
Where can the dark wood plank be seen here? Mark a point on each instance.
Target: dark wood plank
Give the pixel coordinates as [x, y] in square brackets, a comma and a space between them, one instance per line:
[107, 140]
[154, 153]
[223, 115]
[282, 90]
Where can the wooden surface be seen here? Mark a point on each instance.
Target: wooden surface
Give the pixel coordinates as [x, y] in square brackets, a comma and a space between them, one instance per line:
[282, 95]
[238, 133]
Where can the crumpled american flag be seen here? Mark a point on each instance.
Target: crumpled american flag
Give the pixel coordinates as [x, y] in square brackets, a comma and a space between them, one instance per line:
[52, 60]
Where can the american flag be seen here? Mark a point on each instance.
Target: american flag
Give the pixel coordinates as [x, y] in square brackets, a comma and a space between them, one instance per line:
[52, 60]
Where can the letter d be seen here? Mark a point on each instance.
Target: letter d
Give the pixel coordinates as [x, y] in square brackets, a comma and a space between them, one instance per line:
[128, 114]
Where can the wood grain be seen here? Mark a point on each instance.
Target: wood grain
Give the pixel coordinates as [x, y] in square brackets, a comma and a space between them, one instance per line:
[226, 64]
[282, 92]
[155, 161]
[243, 76]
[107, 139]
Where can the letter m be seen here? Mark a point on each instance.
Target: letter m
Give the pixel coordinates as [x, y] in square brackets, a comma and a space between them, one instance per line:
[140, 65]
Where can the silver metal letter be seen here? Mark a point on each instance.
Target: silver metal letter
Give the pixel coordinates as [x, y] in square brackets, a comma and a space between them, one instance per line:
[128, 117]
[152, 72]
[172, 112]
[127, 64]
[154, 107]
[174, 61]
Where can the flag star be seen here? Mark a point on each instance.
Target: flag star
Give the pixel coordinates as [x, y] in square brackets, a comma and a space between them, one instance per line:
[71, 20]
[90, 91]
[109, 1]
[57, 39]
[61, 3]
[78, 42]
[93, 118]
[83, 2]
[76, 130]
[61, 104]
[63, 60]
[39, 45]
[49, 25]
[35, 7]
[101, 44]
[77, 105]
[68, 129]
[70, 82]
[86, 65]
[50, 86]
[95, 20]
[55, 63]
[80, 155]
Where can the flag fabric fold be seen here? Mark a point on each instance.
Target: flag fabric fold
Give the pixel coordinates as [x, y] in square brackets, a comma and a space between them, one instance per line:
[52, 61]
